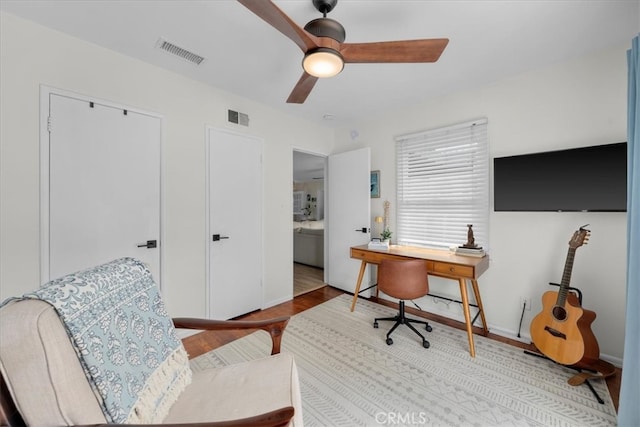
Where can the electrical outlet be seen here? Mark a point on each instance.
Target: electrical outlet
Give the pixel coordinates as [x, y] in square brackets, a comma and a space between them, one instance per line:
[527, 301]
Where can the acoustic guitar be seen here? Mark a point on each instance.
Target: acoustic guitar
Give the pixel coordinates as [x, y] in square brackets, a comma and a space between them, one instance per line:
[562, 330]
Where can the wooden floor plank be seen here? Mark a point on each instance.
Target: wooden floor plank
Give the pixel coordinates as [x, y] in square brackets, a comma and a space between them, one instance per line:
[306, 278]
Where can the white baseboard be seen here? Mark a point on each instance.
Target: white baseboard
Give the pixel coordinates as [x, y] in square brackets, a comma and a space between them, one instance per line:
[285, 298]
[184, 333]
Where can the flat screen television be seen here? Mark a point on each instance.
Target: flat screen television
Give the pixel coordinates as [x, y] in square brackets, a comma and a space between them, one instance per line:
[591, 179]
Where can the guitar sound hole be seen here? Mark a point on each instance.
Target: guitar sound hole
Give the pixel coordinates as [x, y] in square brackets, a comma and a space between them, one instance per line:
[559, 313]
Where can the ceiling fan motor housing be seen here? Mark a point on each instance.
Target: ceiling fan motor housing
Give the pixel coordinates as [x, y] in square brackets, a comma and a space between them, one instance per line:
[326, 27]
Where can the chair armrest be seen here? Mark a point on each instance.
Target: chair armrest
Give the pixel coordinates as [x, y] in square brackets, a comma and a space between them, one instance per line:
[277, 418]
[275, 327]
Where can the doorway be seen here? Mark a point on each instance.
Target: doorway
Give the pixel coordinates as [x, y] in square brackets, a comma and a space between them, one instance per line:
[308, 221]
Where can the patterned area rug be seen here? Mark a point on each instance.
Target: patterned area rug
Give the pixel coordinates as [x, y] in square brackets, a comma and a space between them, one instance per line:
[349, 376]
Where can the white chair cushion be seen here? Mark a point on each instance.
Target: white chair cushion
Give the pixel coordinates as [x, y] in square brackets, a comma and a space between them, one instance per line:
[222, 394]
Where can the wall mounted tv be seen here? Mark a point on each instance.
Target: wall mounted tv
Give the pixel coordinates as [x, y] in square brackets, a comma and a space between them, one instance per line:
[592, 179]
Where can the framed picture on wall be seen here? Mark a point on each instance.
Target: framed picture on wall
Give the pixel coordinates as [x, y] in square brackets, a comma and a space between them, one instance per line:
[375, 184]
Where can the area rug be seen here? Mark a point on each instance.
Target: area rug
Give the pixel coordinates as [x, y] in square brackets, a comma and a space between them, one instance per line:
[350, 377]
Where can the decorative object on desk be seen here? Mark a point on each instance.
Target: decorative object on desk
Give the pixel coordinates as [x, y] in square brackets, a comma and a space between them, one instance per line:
[386, 232]
[337, 351]
[378, 225]
[375, 184]
[386, 213]
[471, 241]
[470, 248]
[376, 243]
[461, 250]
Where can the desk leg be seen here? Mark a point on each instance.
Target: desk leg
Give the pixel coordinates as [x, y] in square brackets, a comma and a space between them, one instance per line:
[358, 284]
[476, 292]
[467, 315]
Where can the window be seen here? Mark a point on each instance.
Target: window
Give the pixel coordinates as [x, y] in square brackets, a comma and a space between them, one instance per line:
[443, 185]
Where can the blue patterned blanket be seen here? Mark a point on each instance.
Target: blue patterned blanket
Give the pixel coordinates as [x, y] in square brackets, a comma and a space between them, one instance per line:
[124, 339]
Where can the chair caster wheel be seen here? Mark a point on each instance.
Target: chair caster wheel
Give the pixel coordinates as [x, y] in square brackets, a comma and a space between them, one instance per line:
[429, 328]
[426, 344]
[389, 341]
[375, 325]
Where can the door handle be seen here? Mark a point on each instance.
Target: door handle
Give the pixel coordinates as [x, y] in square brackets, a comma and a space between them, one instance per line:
[363, 230]
[217, 237]
[149, 245]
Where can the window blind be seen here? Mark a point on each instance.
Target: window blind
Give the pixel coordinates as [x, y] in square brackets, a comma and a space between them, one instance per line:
[443, 185]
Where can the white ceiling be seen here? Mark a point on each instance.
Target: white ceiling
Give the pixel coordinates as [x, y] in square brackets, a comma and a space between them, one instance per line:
[489, 41]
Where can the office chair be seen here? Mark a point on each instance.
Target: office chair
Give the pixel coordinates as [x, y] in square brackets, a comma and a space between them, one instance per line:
[405, 280]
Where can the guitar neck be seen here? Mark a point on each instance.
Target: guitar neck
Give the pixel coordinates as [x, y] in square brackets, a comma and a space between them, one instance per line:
[566, 277]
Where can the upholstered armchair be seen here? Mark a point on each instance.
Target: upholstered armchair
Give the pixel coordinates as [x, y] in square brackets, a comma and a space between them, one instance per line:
[65, 364]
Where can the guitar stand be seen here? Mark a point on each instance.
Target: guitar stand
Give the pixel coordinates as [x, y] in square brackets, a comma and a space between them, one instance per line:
[593, 390]
[542, 356]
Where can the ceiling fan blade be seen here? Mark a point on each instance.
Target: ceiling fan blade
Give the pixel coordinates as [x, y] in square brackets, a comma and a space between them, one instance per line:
[303, 89]
[405, 51]
[272, 15]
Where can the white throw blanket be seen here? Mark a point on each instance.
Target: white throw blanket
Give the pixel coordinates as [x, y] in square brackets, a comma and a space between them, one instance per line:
[124, 339]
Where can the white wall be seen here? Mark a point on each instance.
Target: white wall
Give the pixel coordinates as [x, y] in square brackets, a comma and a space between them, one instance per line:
[577, 103]
[33, 55]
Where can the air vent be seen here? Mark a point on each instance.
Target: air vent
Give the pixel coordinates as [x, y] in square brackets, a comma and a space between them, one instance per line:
[178, 51]
[238, 118]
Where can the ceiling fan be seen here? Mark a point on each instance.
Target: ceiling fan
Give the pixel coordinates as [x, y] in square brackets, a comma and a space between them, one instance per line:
[325, 53]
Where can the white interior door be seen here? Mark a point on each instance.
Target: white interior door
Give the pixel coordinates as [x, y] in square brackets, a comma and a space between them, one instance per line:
[235, 224]
[103, 186]
[348, 215]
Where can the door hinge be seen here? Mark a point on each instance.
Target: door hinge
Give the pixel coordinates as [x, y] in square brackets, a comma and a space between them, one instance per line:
[49, 124]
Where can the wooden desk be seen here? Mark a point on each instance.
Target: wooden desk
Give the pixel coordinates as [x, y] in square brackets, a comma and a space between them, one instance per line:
[441, 263]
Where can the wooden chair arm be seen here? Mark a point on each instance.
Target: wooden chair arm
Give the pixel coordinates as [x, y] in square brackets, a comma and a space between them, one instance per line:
[275, 327]
[277, 418]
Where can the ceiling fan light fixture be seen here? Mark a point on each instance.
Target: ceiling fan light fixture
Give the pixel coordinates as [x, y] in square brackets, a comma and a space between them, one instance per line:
[323, 62]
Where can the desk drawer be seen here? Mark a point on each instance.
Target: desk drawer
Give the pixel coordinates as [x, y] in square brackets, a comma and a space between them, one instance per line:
[368, 256]
[452, 269]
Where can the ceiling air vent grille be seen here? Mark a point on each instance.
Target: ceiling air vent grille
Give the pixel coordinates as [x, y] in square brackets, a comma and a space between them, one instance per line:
[178, 51]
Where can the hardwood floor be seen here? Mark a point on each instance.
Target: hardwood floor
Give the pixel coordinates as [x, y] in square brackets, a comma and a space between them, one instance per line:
[306, 278]
[206, 341]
